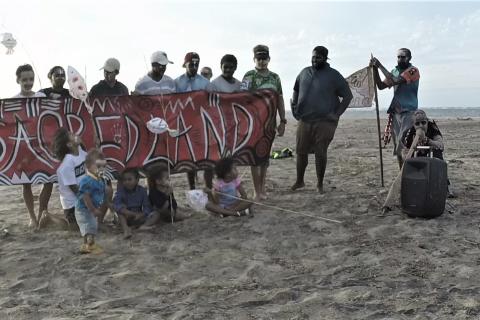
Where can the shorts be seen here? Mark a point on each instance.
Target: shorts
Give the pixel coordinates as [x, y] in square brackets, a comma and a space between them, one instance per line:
[86, 221]
[312, 136]
[401, 122]
[70, 215]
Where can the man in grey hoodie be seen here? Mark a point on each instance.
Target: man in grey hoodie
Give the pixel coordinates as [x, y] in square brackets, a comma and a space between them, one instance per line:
[317, 106]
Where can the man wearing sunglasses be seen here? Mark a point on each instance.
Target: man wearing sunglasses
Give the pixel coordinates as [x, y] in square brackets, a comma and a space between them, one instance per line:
[429, 136]
[192, 81]
[404, 79]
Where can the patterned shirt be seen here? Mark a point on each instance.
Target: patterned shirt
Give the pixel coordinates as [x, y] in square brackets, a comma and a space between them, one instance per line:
[253, 80]
[405, 94]
[228, 191]
[95, 187]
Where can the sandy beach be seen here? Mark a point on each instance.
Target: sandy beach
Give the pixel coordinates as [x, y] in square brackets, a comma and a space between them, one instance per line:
[275, 265]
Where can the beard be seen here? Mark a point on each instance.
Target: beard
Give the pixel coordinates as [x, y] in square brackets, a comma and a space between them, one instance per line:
[403, 65]
[320, 65]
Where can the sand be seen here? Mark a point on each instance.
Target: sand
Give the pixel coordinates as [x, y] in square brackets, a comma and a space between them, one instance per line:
[275, 265]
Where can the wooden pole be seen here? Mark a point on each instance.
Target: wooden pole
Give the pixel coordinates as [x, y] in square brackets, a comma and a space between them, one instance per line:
[378, 128]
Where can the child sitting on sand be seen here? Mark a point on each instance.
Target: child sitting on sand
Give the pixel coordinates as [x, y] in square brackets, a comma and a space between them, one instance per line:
[91, 200]
[161, 197]
[67, 148]
[131, 202]
[227, 190]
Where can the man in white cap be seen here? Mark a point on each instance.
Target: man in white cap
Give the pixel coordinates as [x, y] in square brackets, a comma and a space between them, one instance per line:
[156, 82]
[109, 86]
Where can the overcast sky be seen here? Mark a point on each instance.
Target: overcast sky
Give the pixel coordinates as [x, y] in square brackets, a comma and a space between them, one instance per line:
[443, 36]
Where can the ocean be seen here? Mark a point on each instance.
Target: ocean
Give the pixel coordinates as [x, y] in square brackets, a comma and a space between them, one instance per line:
[433, 113]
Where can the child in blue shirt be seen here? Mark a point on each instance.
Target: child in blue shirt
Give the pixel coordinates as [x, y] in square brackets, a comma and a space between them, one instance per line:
[131, 202]
[91, 200]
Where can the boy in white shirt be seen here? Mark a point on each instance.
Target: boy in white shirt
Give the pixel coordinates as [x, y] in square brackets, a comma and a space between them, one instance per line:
[67, 148]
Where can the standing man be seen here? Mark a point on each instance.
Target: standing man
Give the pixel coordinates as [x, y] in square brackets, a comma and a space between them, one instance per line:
[317, 106]
[109, 86]
[207, 73]
[192, 81]
[156, 81]
[226, 83]
[262, 78]
[404, 79]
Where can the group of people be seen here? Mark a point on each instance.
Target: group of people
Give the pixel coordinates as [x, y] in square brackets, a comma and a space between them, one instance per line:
[320, 96]
[84, 192]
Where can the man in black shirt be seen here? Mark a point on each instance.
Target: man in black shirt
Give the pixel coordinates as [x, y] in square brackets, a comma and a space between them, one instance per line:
[110, 86]
[56, 91]
[317, 106]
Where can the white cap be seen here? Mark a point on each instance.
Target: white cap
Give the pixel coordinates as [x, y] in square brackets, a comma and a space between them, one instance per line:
[111, 65]
[160, 57]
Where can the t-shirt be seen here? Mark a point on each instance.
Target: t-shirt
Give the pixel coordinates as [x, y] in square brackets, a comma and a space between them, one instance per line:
[148, 86]
[135, 200]
[319, 93]
[405, 94]
[36, 95]
[103, 89]
[253, 80]
[158, 199]
[52, 94]
[186, 84]
[228, 190]
[95, 187]
[219, 84]
[70, 172]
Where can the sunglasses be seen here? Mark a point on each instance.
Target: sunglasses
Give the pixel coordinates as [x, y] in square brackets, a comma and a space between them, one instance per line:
[402, 57]
[423, 122]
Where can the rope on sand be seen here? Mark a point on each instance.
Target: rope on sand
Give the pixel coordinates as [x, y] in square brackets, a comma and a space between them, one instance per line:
[279, 208]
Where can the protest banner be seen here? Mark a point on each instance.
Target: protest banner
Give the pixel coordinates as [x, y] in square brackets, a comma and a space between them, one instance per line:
[210, 125]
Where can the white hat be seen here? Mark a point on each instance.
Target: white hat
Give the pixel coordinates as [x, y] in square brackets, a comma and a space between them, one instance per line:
[160, 57]
[111, 65]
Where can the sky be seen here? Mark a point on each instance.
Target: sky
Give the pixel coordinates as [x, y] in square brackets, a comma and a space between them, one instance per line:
[443, 37]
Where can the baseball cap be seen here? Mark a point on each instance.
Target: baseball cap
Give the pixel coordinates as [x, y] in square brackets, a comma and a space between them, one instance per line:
[160, 57]
[189, 57]
[261, 51]
[322, 50]
[111, 65]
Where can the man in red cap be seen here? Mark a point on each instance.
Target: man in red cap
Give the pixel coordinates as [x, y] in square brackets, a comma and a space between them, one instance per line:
[192, 81]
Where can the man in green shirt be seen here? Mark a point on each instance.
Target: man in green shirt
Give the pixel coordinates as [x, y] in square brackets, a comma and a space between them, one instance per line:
[262, 78]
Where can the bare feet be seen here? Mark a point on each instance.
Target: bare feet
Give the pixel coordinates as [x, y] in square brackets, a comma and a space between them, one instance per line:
[180, 216]
[384, 211]
[261, 196]
[33, 224]
[297, 185]
[320, 189]
[127, 233]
